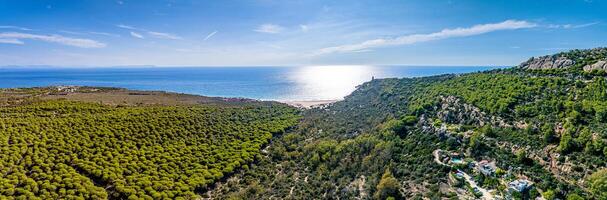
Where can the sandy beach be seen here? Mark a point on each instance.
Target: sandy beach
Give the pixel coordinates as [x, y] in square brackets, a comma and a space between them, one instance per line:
[308, 104]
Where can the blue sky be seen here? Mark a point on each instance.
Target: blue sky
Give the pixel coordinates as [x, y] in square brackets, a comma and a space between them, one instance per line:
[294, 32]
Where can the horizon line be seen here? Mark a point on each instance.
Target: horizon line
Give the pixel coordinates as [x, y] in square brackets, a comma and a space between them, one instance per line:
[242, 66]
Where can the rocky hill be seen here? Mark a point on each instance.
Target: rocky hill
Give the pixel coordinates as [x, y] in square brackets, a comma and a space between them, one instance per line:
[548, 62]
[500, 134]
[586, 60]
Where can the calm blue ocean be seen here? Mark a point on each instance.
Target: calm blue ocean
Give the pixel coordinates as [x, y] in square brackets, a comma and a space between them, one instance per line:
[266, 83]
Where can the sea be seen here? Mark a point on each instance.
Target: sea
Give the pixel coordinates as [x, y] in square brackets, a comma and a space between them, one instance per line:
[305, 83]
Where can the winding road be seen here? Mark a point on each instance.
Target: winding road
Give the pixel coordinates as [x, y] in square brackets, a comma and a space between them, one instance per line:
[486, 195]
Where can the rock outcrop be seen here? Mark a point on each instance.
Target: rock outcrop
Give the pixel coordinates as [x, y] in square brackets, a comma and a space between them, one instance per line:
[591, 59]
[600, 65]
[454, 111]
[547, 62]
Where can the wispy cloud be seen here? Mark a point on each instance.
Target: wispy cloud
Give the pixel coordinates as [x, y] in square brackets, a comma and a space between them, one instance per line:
[417, 38]
[16, 38]
[16, 28]
[126, 27]
[10, 41]
[571, 26]
[137, 35]
[210, 35]
[304, 28]
[269, 28]
[89, 33]
[153, 34]
[105, 34]
[71, 32]
[163, 35]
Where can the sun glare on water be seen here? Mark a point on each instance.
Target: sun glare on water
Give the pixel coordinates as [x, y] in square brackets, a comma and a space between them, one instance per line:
[330, 82]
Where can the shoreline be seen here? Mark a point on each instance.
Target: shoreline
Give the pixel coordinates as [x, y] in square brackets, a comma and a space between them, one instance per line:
[308, 104]
[117, 95]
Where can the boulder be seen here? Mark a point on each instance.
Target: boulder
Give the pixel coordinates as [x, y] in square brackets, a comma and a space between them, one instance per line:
[600, 65]
[547, 62]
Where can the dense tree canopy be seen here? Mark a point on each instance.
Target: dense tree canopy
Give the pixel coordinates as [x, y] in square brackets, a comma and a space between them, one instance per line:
[548, 127]
[526, 118]
[71, 150]
[598, 184]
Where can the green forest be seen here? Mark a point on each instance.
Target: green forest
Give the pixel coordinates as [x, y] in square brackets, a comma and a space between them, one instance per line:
[396, 138]
[547, 127]
[61, 149]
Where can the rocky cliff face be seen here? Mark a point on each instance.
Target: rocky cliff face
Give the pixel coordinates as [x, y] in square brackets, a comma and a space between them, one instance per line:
[599, 65]
[547, 62]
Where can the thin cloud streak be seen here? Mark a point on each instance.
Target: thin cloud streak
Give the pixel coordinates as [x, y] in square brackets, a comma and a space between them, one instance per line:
[89, 33]
[137, 35]
[16, 28]
[16, 38]
[10, 41]
[210, 35]
[417, 38]
[163, 35]
[105, 34]
[71, 32]
[572, 26]
[126, 27]
[269, 28]
[153, 34]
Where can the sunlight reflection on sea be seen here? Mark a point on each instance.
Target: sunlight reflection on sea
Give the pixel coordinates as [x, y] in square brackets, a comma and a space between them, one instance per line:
[328, 82]
[305, 83]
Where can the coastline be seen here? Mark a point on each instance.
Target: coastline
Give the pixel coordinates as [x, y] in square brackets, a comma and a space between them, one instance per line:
[261, 83]
[123, 96]
[308, 104]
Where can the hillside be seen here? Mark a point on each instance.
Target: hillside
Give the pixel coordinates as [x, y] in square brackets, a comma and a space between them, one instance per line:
[588, 61]
[519, 133]
[147, 145]
[526, 132]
